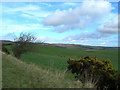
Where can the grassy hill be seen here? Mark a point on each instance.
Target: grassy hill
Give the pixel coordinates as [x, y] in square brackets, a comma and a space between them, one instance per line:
[18, 74]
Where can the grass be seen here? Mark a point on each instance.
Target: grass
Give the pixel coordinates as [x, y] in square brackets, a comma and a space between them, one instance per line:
[57, 57]
[18, 74]
[47, 55]
[44, 65]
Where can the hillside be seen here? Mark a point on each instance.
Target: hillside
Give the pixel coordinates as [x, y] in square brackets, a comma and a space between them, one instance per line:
[18, 74]
[71, 46]
[76, 46]
[5, 42]
[43, 67]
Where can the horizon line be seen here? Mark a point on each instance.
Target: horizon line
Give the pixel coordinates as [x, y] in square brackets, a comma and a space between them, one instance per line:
[67, 43]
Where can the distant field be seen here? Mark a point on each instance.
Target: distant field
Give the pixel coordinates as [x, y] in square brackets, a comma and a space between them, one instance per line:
[56, 57]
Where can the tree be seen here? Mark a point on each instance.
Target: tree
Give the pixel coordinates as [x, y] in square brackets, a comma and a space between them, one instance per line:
[22, 44]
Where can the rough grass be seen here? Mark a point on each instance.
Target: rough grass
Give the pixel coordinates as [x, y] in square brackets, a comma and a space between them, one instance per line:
[18, 74]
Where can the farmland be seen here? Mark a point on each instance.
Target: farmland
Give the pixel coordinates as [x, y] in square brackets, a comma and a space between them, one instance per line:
[56, 57]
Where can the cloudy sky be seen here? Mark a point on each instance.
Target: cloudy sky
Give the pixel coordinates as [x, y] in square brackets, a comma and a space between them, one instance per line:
[88, 23]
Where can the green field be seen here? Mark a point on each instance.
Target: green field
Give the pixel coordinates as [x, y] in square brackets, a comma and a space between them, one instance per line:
[56, 57]
[43, 66]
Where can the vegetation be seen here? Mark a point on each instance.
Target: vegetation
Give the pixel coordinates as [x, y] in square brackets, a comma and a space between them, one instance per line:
[54, 59]
[99, 74]
[57, 57]
[23, 44]
[44, 55]
[18, 74]
[4, 49]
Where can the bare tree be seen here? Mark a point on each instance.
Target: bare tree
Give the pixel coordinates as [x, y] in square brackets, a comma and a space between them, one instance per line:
[22, 44]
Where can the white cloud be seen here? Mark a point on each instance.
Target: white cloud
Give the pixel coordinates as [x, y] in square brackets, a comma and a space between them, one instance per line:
[86, 31]
[37, 13]
[46, 4]
[42, 38]
[26, 15]
[75, 39]
[9, 36]
[70, 4]
[30, 11]
[86, 36]
[86, 14]
[47, 39]
[21, 28]
[91, 39]
[104, 43]
[110, 27]
[22, 8]
[103, 32]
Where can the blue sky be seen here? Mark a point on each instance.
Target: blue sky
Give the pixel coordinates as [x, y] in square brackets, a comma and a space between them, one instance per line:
[88, 23]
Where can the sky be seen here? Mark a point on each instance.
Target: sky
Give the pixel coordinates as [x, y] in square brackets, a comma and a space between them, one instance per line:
[92, 23]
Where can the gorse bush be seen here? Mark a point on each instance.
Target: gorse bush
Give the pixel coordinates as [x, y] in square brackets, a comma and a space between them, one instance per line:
[99, 74]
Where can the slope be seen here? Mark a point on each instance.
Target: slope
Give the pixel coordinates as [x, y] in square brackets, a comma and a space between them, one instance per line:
[18, 74]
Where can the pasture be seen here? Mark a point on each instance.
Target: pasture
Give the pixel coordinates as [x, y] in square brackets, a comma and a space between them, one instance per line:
[56, 57]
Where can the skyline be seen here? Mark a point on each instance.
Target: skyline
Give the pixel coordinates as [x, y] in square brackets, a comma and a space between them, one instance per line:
[88, 23]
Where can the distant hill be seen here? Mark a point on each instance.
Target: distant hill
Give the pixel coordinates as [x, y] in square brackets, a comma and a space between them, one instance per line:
[72, 46]
[76, 46]
[5, 42]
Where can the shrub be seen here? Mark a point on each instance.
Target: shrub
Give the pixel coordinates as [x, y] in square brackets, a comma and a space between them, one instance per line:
[100, 74]
[117, 80]
[23, 44]
[5, 50]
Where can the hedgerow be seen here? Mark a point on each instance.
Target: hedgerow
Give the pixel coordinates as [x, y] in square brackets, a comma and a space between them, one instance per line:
[100, 74]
